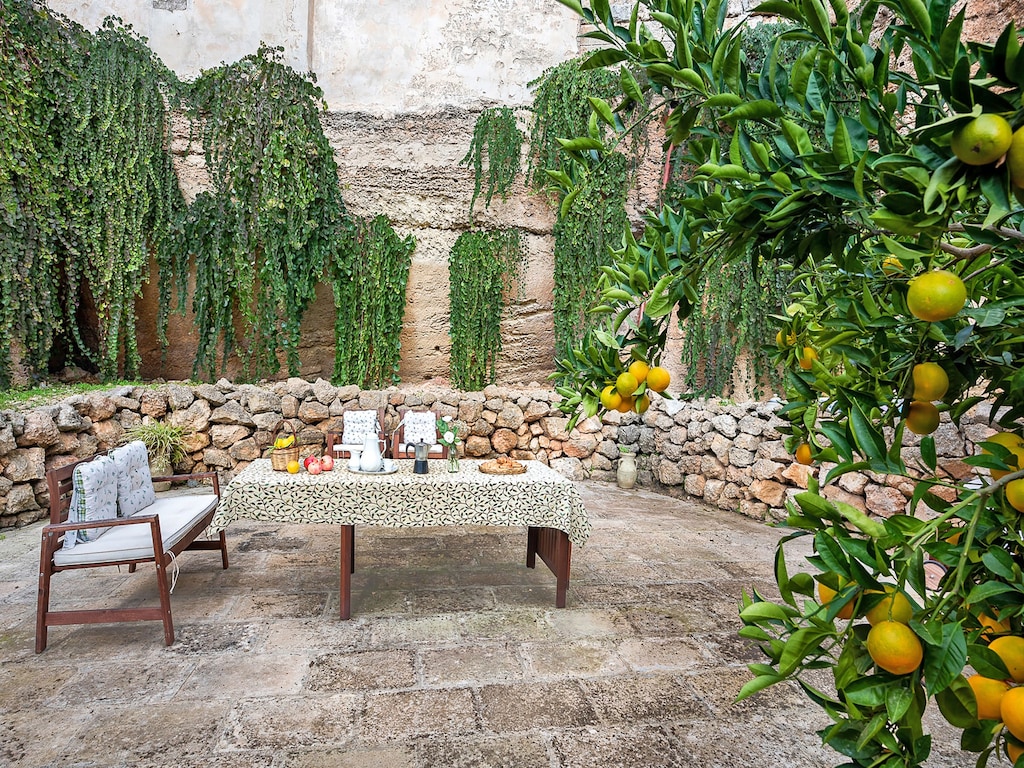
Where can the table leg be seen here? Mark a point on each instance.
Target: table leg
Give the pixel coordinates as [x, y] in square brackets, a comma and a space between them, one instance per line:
[555, 550]
[348, 565]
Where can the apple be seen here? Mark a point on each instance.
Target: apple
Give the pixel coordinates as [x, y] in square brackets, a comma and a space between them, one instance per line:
[308, 460]
[327, 463]
[314, 467]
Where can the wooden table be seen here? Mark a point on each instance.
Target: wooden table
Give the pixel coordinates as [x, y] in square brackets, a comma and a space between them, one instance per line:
[540, 499]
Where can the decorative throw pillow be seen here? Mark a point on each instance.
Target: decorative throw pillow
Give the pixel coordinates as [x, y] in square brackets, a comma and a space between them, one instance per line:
[357, 425]
[93, 497]
[420, 427]
[134, 482]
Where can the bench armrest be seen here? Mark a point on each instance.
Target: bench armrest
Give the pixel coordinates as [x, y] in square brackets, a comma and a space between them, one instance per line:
[108, 523]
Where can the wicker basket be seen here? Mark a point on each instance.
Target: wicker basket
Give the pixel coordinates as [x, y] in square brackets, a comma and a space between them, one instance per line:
[506, 467]
[281, 457]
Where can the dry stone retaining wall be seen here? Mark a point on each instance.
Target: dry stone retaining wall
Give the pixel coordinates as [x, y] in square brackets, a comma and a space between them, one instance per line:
[731, 456]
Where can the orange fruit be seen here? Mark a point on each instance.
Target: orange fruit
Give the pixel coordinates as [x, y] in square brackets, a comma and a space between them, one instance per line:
[936, 295]
[1015, 494]
[610, 397]
[1012, 442]
[658, 379]
[894, 647]
[788, 341]
[626, 384]
[893, 607]
[807, 358]
[891, 266]
[639, 369]
[922, 418]
[1015, 158]
[826, 594]
[1012, 711]
[1014, 749]
[642, 403]
[993, 627]
[1010, 649]
[989, 695]
[983, 140]
[803, 454]
[625, 406]
[930, 381]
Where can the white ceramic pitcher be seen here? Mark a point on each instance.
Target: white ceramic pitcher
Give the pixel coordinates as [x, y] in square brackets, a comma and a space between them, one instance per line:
[371, 459]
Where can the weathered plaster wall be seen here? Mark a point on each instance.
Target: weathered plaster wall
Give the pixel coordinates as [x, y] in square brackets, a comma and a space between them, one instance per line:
[404, 83]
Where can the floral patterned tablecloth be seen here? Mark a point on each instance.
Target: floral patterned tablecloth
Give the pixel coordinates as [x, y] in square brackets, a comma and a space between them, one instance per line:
[539, 497]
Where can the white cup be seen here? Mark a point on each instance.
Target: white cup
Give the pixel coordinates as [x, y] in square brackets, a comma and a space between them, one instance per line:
[389, 465]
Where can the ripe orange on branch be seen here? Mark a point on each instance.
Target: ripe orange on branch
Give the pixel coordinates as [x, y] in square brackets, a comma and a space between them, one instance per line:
[803, 454]
[936, 295]
[626, 384]
[807, 358]
[1012, 711]
[922, 418]
[639, 369]
[1012, 442]
[658, 379]
[1010, 649]
[894, 647]
[893, 607]
[989, 694]
[930, 381]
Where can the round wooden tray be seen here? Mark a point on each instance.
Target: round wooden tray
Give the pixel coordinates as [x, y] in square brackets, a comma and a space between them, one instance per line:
[494, 468]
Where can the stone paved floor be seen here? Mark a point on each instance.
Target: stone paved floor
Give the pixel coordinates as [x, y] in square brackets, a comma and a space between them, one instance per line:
[455, 656]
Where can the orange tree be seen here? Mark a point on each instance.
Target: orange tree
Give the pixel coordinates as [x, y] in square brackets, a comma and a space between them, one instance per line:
[883, 167]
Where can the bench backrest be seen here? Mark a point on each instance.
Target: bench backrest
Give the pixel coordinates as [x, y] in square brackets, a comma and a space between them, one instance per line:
[60, 482]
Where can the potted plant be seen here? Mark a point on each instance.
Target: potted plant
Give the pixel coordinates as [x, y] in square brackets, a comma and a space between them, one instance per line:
[165, 444]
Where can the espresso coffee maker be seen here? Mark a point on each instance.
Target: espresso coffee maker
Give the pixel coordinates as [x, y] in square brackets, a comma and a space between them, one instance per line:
[420, 465]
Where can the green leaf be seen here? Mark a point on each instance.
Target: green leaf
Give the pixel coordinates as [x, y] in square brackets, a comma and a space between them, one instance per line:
[944, 664]
[760, 109]
[601, 108]
[765, 611]
[757, 684]
[957, 704]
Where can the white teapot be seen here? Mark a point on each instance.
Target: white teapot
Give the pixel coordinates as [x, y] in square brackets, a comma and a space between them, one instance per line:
[371, 459]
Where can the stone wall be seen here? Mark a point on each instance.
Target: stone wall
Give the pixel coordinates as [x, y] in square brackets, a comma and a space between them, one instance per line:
[731, 456]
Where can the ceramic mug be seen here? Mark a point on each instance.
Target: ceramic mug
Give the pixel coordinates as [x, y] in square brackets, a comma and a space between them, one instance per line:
[389, 465]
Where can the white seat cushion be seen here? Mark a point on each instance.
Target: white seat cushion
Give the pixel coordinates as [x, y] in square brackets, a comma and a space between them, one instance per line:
[178, 514]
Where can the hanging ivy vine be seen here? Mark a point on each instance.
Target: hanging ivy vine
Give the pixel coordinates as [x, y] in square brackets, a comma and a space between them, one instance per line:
[30, 314]
[89, 192]
[730, 328]
[728, 335]
[270, 226]
[594, 217]
[369, 301]
[561, 110]
[482, 267]
[584, 232]
[497, 138]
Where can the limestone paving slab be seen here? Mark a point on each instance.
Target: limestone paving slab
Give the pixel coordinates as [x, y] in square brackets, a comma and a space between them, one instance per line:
[454, 657]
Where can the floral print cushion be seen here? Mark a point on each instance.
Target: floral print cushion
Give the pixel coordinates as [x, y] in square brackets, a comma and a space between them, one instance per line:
[93, 497]
[357, 425]
[420, 427]
[134, 482]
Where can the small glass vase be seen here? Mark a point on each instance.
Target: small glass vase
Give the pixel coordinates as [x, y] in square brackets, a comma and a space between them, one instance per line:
[453, 461]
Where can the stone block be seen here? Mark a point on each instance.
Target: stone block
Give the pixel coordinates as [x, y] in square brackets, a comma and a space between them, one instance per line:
[770, 492]
[668, 473]
[883, 500]
[569, 467]
[477, 446]
[797, 474]
[40, 429]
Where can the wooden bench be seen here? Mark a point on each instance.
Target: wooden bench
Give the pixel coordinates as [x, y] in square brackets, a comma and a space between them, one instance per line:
[155, 534]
